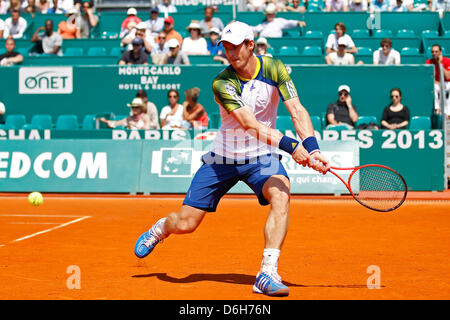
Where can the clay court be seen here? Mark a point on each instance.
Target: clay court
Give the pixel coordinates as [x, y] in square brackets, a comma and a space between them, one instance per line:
[330, 246]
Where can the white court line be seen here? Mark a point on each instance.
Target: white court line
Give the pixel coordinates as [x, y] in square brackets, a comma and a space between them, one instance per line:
[48, 230]
[39, 215]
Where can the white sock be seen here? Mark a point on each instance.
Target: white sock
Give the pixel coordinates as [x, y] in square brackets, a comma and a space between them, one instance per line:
[270, 259]
[160, 230]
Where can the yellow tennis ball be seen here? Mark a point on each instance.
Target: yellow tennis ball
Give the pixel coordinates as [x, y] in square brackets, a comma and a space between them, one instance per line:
[35, 199]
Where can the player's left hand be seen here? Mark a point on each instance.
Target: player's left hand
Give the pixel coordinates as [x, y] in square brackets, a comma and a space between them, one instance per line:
[319, 163]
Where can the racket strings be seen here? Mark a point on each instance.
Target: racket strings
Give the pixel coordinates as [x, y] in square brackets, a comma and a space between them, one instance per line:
[378, 187]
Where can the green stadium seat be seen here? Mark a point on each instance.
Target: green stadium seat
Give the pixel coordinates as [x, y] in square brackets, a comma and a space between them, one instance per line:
[121, 117]
[67, 122]
[293, 33]
[366, 120]
[383, 33]
[15, 121]
[337, 127]
[214, 120]
[430, 33]
[109, 35]
[271, 50]
[88, 122]
[23, 51]
[73, 52]
[406, 33]
[288, 51]
[314, 34]
[31, 126]
[360, 33]
[436, 121]
[316, 122]
[420, 123]
[116, 52]
[96, 51]
[409, 51]
[312, 51]
[43, 121]
[285, 123]
[364, 51]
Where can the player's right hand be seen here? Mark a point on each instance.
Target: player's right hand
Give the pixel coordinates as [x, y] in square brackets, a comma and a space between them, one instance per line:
[301, 156]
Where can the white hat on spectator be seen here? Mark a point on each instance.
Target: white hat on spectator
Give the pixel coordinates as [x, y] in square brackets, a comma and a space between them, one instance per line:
[342, 41]
[137, 102]
[263, 41]
[132, 11]
[236, 33]
[2, 108]
[271, 8]
[194, 25]
[173, 43]
[344, 87]
[214, 30]
[141, 25]
[72, 10]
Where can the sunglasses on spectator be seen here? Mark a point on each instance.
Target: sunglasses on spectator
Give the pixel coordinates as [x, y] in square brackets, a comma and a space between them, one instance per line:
[343, 93]
[395, 96]
[173, 96]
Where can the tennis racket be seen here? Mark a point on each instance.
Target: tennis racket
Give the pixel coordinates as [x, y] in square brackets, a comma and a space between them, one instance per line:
[376, 187]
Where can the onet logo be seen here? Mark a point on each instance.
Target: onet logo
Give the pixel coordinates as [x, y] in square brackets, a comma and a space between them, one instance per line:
[45, 80]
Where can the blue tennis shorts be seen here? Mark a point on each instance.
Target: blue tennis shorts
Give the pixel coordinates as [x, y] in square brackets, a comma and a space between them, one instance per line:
[218, 175]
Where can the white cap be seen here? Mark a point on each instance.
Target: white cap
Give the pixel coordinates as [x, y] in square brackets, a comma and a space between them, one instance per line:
[132, 11]
[236, 32]
[342, 41]
[344, 87]
[194, 25]
[263, 41]
[2, 108]
[173, 43]
[141, 25]
[271, 8]
[215, 30]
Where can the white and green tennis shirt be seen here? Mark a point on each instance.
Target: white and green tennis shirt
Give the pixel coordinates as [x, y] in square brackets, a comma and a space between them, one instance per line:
[262, 94]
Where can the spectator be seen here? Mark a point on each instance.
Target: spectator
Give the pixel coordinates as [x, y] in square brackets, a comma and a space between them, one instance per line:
[169, 25]
[256, 5]
[217, 51]
[340, 57]
[136, 55]
[56, 9]
[172, 115]
[194, 112]
[138, 120]
[87, 21]
[50, 41]
[273, 27]
[379, 6]
[31, 7]
[261, 47]
[316, 5]
[11, 57]
[209, 22]
[15, 5]
[43, 6]
[195, 44]
[296, 6]
[140, 31]
[2, 113]
[2, 28]
[4, 6]
[131, 17]
[398, 6]
[68, 28]
[336, 5]
[342, 112]
[166, 7]
[152, 111]
[395, 116]
[332, 40]
[155, 24]
[358, 5]
[386, 54]
[175, 55]
[15, 25]
[440, 6]
[438, 59]
[160, 49]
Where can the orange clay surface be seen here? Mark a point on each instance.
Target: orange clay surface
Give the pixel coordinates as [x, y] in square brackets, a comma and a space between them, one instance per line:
[330, 246]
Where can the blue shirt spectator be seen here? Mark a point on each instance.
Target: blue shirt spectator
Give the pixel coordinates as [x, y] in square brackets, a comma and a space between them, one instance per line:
[379, 6]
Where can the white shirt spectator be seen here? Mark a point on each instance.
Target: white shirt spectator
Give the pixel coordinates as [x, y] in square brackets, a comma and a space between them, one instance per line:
[4, 6]
[167, 9]
[63, 4]
[332, 41]
[155, 26]
[156, 48]
[443, 5]
[274, 29]
[173, 121]
[379, 5]
[358, 5]
[2, 25]
[199, 46]
[336, 5]
[16, 31]
[347, 59]
[392, 58]
[148, 37]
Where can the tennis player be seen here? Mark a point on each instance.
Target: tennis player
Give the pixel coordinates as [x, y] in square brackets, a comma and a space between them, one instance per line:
[245, 149]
